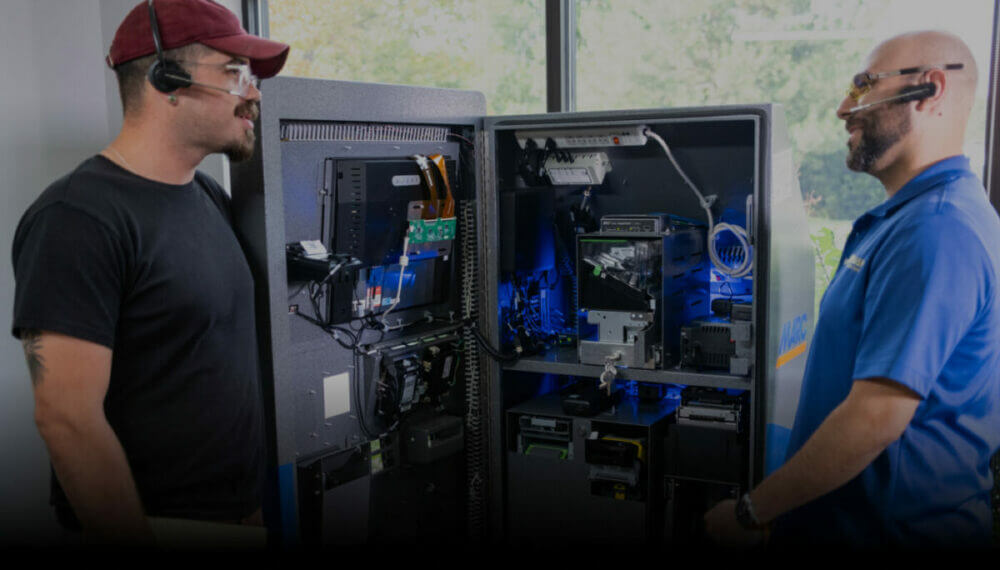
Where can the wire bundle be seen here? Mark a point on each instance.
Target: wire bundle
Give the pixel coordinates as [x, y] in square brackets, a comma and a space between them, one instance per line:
[745, 266]
[475, 454]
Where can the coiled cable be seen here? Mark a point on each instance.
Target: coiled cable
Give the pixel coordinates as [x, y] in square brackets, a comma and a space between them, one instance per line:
[745, 265]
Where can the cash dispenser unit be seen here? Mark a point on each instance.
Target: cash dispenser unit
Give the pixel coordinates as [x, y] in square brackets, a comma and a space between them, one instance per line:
[429, 279]
[584, 479]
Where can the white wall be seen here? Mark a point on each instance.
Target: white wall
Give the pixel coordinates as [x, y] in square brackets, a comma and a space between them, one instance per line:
[58, 105]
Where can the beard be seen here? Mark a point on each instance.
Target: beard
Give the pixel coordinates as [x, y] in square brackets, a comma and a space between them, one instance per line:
[238, 151]
[879, 132]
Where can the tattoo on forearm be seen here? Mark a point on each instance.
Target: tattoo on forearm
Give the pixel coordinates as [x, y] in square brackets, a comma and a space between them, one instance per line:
[32, 341]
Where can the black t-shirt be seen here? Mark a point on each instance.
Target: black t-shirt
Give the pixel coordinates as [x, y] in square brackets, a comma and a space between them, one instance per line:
[155, 272]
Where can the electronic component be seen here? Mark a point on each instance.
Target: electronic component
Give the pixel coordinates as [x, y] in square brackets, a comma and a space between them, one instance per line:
[434, 438]
[620, 284]
[707, 439]
[615, 466]
[532, 313]
[712, 408]
[720, 344]
[438, 229]
[727, 308]
[383, 216]
[398, 387]
[581, 168]
[416, 372]
[544, 436]
[638, 289]
[585, 138]
[317, 266]
[632, 224]
[610, 450]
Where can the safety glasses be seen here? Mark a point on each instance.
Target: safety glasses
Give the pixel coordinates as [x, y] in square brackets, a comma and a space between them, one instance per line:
[240, 77]
[864, 81]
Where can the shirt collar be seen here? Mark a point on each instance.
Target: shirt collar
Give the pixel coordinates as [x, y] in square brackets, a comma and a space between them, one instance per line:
[933, 175]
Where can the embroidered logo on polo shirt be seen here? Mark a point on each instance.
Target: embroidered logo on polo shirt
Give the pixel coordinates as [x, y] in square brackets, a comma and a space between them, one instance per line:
[854, 263]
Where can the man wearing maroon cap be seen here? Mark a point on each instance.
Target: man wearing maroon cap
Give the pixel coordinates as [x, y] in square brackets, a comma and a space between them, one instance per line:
[134, 300]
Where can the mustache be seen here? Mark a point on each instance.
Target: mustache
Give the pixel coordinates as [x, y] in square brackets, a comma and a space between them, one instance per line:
[250, 109]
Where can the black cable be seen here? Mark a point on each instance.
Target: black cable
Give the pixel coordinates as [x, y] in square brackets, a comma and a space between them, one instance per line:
[368, 322]
[463, 139]
[727, 284]
[358, 404]
[485, 345]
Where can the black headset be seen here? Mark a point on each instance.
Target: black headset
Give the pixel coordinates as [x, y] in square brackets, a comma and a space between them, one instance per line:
[906, 94]
[917, 92]
[166, 75]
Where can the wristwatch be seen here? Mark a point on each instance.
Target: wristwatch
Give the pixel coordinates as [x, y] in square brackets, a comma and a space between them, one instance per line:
[745, 514]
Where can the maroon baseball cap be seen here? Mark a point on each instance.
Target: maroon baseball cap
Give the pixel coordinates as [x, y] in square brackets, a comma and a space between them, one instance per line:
[183, 22]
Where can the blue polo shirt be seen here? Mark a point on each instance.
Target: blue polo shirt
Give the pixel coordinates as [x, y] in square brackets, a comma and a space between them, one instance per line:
[915, 299]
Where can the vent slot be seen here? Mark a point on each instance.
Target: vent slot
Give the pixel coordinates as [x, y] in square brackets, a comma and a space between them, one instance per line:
[315, 131]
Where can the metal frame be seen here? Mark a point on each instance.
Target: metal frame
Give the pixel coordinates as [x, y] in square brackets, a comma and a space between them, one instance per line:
[560, 55]
[991, 178]
[294, 366]
[255, 17]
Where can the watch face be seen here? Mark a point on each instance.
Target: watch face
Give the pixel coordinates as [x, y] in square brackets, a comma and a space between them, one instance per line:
[744, 513]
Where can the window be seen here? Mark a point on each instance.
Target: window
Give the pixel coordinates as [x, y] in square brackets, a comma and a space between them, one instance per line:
[496, 47]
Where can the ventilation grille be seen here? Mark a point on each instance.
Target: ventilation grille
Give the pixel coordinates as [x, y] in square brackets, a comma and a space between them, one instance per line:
[715, 359]
[716, 331]
[356, 227]
[360, 132]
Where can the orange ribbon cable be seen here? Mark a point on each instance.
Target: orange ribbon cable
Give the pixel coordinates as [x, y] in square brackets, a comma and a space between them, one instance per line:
[449, 204]
[425, 169]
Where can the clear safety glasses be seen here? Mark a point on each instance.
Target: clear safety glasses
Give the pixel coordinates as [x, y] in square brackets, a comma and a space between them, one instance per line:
[240, 77]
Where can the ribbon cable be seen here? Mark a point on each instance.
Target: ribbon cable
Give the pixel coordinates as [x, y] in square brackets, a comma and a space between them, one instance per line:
[449, 204]
[425, 170]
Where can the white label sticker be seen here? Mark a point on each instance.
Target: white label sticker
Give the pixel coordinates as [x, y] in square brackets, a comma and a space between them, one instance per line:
[570, 176]
[313, 248]
[336, 395]
[406, 180]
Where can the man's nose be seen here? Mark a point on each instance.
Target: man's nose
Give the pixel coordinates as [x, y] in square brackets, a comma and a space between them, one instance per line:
[844, 110]
[253, 93]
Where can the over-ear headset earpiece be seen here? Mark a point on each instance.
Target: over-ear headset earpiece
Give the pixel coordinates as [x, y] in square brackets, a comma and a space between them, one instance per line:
[905, 95]
[164, 75]
[168, 76]
[917, 92]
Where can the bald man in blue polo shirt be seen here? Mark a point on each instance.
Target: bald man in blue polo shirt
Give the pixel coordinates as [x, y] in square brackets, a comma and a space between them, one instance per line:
[900, 407]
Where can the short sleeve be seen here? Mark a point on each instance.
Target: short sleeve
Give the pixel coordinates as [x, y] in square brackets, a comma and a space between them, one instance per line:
[927, 285]
[69, 271]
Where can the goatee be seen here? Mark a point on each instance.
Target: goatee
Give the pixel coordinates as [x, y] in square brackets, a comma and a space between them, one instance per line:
[878, 134]
[238, 152]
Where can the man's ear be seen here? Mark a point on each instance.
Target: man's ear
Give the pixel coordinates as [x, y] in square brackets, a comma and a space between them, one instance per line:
[938, 79]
